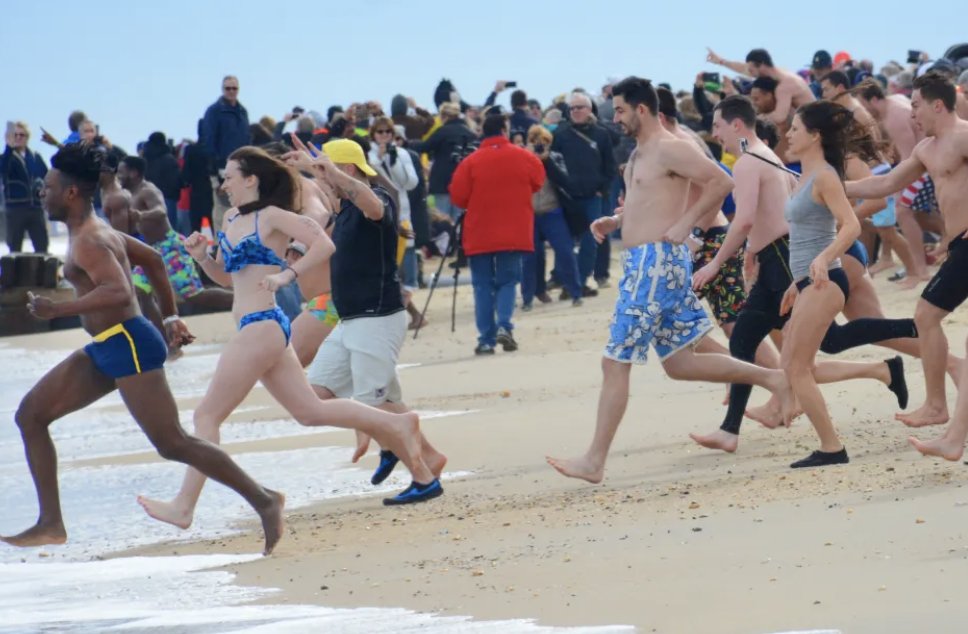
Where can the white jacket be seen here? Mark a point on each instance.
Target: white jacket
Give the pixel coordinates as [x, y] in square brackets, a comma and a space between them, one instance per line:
[402, 174]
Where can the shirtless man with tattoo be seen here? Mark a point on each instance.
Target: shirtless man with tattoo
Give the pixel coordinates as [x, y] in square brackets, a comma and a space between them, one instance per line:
[127, 353]
[656, 305]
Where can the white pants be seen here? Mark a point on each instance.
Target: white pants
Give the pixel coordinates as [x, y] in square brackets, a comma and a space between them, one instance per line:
[358, 359]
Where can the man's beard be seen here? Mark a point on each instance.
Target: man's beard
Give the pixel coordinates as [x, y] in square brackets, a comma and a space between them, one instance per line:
[630, 129]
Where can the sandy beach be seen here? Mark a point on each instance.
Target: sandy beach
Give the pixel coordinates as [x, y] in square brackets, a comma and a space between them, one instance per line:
[677, 540]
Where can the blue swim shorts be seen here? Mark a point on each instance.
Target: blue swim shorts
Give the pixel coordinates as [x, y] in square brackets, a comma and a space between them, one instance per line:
[656, 305]
[131, 347]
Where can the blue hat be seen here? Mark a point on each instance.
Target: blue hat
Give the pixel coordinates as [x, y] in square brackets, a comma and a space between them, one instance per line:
[861, 76]
[822, 59]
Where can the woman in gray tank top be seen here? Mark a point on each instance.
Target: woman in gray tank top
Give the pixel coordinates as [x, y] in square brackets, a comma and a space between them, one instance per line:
[822, 228]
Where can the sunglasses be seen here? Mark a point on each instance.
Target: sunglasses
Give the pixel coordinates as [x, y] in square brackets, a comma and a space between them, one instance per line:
[383, 132]
[231, 88]
[20, 135]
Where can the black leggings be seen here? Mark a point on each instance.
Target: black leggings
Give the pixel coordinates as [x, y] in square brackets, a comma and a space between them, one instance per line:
[756, 322]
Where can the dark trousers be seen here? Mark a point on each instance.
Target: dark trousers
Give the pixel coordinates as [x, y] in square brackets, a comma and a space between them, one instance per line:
[32, 222]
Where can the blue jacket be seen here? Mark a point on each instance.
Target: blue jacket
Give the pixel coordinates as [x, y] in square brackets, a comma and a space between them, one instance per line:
[22, 180]
[225, 128]
[591, 166]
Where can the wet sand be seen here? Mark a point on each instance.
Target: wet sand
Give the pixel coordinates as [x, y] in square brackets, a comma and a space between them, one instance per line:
[678, 539]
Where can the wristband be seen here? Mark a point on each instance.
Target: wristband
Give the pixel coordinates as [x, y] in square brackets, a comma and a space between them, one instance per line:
[170, 320]
[618, 220]
[295, 274]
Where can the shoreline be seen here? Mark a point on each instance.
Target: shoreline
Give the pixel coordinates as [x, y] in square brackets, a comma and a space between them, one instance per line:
[677, 540]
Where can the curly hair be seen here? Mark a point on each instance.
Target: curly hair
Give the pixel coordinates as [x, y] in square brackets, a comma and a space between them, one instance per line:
[82, 164]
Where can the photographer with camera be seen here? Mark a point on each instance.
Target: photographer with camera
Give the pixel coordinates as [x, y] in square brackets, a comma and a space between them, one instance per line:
[550, 225]
[22, 173]
[447, 147]
[495, 184]
[398, 168]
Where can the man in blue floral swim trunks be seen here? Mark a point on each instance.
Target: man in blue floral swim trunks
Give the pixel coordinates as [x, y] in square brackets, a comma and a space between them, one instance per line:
[671, 186]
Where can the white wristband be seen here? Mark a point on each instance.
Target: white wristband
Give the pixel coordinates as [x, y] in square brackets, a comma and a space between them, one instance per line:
[618, 220]
[170, 320]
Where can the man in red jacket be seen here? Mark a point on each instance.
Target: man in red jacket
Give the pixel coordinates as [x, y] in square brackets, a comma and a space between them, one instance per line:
[495, 185]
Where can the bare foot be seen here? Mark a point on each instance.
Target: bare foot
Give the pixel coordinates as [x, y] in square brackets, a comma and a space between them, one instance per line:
[912, 281]
[273, 520]
[726, 400]
[38, 535]
[768, 415]
[362, 444]
[719, 439]
[924, 416]
[786, 399]
[167, 512]
[881, 265]
[581, 468]
[942, 448]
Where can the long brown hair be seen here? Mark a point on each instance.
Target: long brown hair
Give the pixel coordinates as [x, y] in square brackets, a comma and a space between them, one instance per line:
[278, 183]
[838, 130]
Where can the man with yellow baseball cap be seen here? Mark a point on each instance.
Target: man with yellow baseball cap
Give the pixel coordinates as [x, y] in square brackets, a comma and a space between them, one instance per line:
[347, 152]
[359, 358]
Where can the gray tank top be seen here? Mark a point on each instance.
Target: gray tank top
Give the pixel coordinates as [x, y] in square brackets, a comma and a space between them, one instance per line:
[812, 229]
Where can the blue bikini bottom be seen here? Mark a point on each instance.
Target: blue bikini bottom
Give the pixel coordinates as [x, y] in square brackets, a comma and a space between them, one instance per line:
[275, 315]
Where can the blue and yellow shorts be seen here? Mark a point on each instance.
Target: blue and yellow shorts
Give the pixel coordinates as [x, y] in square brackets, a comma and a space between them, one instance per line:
[131, 347]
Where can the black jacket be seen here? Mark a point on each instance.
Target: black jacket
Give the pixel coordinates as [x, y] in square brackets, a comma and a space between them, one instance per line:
[22, 180]
[162, 170]
[441, 146]
[591, 166]
[195, 174]
[419, 217]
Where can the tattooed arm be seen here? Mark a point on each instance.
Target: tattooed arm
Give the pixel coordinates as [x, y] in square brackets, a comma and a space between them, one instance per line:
[357, 192]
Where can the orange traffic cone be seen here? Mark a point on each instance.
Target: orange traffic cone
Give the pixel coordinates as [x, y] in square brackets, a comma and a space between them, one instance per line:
[207, 231]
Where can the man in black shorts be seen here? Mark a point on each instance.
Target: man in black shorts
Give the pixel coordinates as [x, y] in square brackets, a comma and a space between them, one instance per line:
[943, 154]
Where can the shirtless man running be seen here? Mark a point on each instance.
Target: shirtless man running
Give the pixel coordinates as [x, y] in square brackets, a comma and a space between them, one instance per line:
[894, 113]
[656, 304]
[944, 155]
[791, 92]
[722, 286]
[148, 207]
[127, 353]
[836, 86]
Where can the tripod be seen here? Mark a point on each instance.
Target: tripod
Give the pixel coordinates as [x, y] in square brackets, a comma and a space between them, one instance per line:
[454, 248]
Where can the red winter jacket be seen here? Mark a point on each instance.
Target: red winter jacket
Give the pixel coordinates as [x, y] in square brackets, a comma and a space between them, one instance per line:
[495, 185]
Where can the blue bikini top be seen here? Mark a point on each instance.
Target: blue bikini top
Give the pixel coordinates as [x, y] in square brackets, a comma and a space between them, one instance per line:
[249, 250]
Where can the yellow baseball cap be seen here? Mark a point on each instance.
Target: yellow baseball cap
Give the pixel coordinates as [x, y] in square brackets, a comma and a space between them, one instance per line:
[348, 152]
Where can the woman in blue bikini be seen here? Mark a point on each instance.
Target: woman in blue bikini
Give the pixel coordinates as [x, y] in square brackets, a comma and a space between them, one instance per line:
[254, 233]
